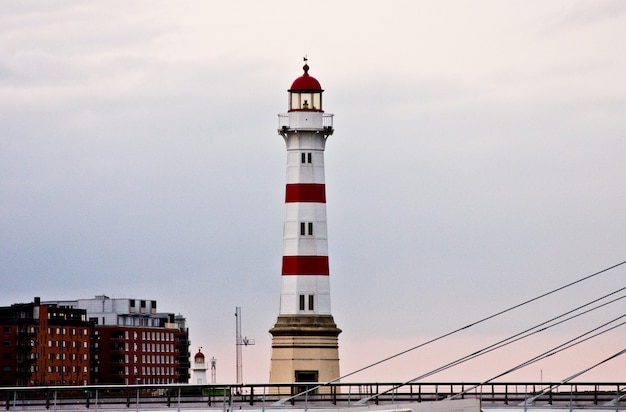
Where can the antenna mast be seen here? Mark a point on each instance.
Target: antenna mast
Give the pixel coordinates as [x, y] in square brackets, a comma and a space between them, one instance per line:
[213, 369]
[239, 342]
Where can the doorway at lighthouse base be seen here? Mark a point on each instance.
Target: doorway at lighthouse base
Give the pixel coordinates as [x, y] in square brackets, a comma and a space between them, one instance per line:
[305, 349]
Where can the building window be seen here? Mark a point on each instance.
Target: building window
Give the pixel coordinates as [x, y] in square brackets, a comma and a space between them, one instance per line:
[301, 302]
[311, 301]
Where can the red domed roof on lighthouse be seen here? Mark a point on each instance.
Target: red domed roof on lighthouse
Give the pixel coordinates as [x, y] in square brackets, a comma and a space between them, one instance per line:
[305, 82]
[199, 357]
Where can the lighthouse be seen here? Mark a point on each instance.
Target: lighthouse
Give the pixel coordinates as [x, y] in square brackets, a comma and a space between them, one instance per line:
[305, 337]
[198, 371]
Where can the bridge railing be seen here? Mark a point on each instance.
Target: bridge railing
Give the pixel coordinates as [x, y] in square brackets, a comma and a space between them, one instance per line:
[257, 396]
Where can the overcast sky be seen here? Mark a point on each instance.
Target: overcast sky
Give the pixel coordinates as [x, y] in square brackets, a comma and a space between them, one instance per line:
[478, 161]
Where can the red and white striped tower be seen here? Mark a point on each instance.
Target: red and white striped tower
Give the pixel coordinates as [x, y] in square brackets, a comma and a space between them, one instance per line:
[304, 338]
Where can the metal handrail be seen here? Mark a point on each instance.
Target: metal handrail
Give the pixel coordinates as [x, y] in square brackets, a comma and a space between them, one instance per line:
[343, 394]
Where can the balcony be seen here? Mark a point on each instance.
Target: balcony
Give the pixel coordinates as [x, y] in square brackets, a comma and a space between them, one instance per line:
[312, 121]
[115, 359]
[117, 347]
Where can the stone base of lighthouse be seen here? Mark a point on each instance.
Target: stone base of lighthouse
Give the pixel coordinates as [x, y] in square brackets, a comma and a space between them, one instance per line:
[304, 349]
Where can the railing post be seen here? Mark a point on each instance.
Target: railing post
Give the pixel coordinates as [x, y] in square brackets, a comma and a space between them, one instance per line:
[306, 398]
[376, 398]
[550, 397]
[224, 400]
[231, 399]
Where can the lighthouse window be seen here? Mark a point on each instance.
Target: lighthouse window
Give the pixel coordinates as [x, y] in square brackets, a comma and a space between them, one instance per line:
[306, 158]
[306, 299]
[303, 228]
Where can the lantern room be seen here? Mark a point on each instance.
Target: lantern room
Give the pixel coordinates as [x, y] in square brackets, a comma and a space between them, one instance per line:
[305, 93]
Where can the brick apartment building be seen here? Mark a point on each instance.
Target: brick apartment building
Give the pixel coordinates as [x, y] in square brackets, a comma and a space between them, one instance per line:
[92, 341]
[44, 345]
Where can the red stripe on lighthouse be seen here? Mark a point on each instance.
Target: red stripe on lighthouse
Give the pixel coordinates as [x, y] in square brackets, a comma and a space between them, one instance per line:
[305, 192]
[305, 265]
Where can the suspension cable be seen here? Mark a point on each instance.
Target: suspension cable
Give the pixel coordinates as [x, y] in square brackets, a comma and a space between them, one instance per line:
[445, 335]
[577, 374]
[512, 339]
[566, 345]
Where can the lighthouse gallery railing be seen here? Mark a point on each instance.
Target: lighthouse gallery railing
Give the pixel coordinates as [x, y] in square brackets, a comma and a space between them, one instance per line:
[327, 120]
